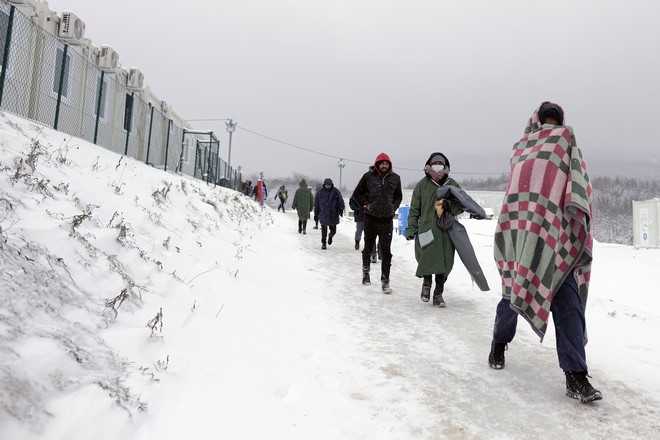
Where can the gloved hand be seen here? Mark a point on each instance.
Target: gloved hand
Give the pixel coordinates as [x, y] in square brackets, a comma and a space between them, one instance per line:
[410, 238]
[341, 213]
[439, 207]
[367, 206]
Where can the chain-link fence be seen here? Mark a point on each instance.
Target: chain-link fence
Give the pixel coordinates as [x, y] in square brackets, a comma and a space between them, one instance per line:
[60, 85]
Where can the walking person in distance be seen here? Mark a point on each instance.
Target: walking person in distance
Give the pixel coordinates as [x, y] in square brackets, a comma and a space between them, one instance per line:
[328, 207]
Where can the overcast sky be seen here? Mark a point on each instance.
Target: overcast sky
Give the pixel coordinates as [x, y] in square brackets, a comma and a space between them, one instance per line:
[354, 78]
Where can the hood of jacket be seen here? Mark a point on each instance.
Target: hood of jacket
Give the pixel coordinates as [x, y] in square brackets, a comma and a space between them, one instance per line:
[381, 157]
[428, 162]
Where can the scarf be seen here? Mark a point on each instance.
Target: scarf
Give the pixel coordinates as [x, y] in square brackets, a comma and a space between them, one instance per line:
[436, 177]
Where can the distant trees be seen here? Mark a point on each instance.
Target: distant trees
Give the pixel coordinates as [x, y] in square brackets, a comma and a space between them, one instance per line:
[612, 202]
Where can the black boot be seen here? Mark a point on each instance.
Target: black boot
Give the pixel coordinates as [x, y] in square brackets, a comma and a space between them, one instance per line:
[385, 284]
[357, 245]
[426, 291]
[299, 226]
[365, 276]
[578, 387]
[438, 300]
[496, 356]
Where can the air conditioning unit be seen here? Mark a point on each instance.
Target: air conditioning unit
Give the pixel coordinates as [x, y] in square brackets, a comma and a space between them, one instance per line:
[134, 79]
[108, 59]
[72, 28]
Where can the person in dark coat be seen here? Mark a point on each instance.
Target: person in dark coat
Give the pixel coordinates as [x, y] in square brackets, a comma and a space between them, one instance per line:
[379, 193]
[358, 216]
[316, 219]
[434, 250]
[328, 207]
[303, 203]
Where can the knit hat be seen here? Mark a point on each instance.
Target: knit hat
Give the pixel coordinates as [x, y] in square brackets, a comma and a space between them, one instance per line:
[438, 158]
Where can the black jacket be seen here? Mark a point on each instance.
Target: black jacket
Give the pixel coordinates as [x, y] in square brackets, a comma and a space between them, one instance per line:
[379, 195]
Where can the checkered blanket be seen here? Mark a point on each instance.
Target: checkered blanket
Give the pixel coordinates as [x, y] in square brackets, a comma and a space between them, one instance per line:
[544, 229]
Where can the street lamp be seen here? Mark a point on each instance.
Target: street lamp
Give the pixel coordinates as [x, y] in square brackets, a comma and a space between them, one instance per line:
[231, 126]
[341, 166]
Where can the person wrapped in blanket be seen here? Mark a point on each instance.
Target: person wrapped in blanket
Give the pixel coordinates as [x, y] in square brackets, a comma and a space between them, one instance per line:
[543, 246]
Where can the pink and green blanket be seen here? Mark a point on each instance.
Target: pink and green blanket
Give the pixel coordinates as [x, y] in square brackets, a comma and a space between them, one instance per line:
[544, 230]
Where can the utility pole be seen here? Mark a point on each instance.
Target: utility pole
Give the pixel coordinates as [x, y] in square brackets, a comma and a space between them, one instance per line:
[341, 166]
[231, 126]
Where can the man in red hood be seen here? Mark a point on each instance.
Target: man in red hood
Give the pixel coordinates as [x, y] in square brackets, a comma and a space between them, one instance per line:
[379, 194]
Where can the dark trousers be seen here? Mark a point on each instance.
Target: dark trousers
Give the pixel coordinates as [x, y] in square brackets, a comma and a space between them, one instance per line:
[324, 232]
[359, 228]
[381, 228]
[568, 317]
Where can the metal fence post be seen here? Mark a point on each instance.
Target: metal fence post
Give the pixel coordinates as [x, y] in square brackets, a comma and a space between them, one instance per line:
[151, 124]
[167, 142]
[98, 107]
[59, 88]
[130, 122]
[179, 167]
[5, 56]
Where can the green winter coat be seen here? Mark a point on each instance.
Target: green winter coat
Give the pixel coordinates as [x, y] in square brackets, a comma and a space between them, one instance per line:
[438, 256]
[303, 201]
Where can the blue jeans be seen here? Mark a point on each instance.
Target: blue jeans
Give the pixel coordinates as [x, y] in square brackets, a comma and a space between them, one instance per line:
[568, 317]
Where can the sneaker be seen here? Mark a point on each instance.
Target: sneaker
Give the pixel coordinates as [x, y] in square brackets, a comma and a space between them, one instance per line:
[315, 227]
[330, 239]
[496, 356]
[304, 232]
[357, 245]
[323, 246]
[438, 300]
[578, 387]
[426, 292]
[386, 286]
[299, 231]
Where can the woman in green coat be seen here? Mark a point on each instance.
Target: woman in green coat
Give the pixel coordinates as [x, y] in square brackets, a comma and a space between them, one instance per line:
[303, 203]
[434, 250]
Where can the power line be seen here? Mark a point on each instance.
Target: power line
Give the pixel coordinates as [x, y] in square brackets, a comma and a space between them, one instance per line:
[309, 150]
[206, 120]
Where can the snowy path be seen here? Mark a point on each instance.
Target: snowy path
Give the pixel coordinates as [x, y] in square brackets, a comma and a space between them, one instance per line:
[425, 369]
[285, 343]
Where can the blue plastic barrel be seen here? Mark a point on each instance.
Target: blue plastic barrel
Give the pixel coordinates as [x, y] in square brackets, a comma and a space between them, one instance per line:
[403, 218]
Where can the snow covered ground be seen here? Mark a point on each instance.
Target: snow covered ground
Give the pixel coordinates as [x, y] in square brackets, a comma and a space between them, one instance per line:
[138, 304]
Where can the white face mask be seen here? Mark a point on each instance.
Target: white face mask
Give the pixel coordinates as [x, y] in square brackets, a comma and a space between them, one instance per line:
[437, 168]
